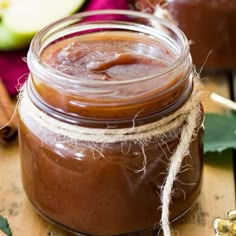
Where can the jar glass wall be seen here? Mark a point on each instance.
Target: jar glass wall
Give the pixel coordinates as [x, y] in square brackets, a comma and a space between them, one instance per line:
[91, 160]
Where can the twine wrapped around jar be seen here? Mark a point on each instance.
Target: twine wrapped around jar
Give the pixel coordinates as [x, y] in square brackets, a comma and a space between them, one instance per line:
[187, 117]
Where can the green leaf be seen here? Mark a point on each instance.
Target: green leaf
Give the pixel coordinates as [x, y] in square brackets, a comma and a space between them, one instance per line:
[220, 132]
[4, 226]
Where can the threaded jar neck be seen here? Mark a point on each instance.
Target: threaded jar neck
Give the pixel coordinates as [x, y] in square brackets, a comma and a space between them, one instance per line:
[160, 83]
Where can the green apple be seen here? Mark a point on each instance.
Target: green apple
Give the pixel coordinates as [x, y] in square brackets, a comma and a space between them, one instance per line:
[11, 41]
[22, 19]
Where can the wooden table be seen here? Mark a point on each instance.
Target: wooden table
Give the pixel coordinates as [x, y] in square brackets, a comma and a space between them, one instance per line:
[217, 197]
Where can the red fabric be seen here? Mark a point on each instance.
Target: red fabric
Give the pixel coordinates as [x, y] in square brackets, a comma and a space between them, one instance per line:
[106, 4]
[13, 68]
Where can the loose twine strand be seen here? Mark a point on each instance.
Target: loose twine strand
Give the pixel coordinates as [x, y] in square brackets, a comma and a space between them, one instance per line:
[174, 168]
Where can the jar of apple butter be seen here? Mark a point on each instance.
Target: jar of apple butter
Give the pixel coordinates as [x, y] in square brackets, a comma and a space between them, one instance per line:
[100, 117]
[211, 27]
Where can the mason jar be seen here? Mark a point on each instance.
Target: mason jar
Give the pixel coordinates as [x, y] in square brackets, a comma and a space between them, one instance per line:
[106, 106]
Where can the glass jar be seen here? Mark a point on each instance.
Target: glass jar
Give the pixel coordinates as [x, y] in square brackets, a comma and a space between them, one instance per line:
[211, 26]
[92, 152]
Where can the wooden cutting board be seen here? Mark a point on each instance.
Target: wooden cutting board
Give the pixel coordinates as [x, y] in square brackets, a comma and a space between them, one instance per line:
[216, 199]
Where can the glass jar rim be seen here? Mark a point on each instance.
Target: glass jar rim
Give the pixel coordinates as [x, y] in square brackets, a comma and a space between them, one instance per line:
[48, 72]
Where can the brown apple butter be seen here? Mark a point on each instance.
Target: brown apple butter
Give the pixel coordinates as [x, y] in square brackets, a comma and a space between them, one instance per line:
[109, 79]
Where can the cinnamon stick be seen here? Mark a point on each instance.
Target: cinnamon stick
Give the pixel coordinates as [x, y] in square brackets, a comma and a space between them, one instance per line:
[8, 120]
